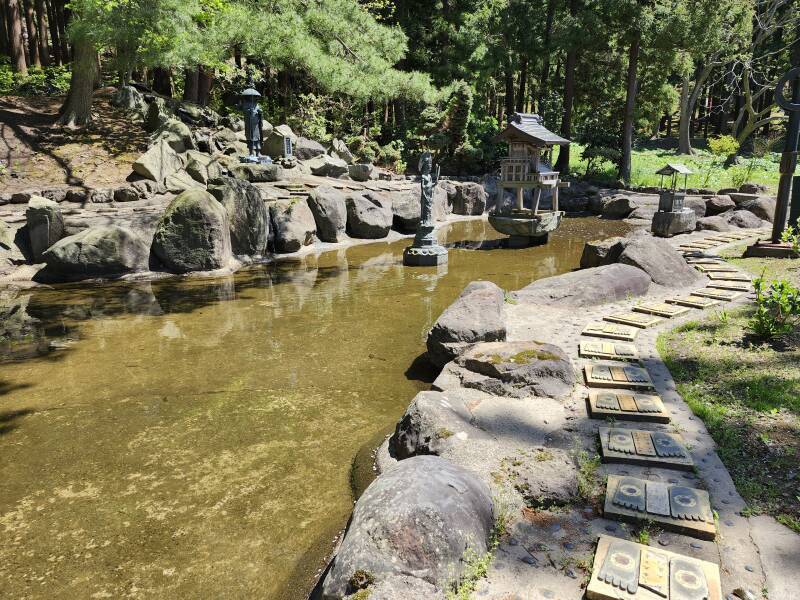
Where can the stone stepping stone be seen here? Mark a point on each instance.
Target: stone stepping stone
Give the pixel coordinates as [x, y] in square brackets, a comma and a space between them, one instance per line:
[729, 277]
[693, 301]
[617, 376]
[715, 268]
[716, 294]
[736, 286]
[610, 331]
[675, 507]
[660, 309]
[647, 448]
[610, 350]
[624, 569]
[639, 320]
[717, 238]
[697, 260]
[703, 245]
[625, 405]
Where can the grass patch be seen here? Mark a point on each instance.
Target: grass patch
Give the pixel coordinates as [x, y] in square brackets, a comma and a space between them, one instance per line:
[590, 484]
[748, 394]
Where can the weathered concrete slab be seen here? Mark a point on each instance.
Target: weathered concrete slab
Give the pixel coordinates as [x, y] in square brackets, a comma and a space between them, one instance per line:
[638, 447]
[611, 331]
[609, 350]
[729, 277]
[716, 294]
[780, 552]
[715, 268]
[648, 573]
[626, 405]
[660, 309]
[633, 319]
[735, 286]
[693, 301]
[663, 504]
[614, 375]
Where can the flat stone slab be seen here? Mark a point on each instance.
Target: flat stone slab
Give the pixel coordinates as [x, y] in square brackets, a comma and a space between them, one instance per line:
[613, 375]
[693, 301]
[716, 294]
[736, 286]
[624, 569]
[647, 448]
[715, 268]
[702, 260]
[611, 331]
[674, 507]
[660, 309]
[609, 350]
[702, 244]
[626, 405]
[729, 277]
[633, 319]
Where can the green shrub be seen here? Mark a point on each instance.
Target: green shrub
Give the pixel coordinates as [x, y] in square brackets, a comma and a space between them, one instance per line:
[777, 308]
[791, 236]
[49, 81]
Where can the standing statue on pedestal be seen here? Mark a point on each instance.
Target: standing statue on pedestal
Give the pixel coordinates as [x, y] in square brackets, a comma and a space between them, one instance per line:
[426, 251]
[253, 132]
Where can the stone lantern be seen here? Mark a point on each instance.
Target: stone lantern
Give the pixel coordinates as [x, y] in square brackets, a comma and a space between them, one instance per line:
[672, 217]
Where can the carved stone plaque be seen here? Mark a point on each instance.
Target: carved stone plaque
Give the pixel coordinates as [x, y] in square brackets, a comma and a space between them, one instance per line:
[693, 260]
[666, 445]
[627, 403]
[630, 406]
[620, 568]
[610, 350]
[693, 301]
[660, 309]
[607, 401]
[634, 319]
[654, 572]
[630, 494]
[620, 440]
[648, 404]
[686, 580]
[607, 375]
[658, 498]
[611, 331]
[736, 286]
[686, 503]
[643, 443]
[729, 277]
[716, 294]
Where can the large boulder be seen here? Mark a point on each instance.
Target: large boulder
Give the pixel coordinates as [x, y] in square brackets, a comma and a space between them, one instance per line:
[744, 219]
[329, 208]
[587, 287]
[157, 114]
[696, 204]
[643, 213]
[340, 150]
[762, 207]
[176, 133]
[597, 253]
[395, 587]
[159, 162]
[739, 197]
[621, 206]
[45, 225]
[293, 225]
[362, 172]
[660, 261]
[424, 517]
[100, 251]
[327, 166]
[128, 97]
[193, 234]
[715, 223]
[202, 167]
[477, 315]
[407, 209]
[668, 224]
[273, 144]
[719, 204]
[513, 369]
[369, 215]
[257, 173]
[248, 215]
[752, 188]
[305, 149]
[469, 199]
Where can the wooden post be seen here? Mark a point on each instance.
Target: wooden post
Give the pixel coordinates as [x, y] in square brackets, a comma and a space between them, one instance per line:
[520, 196]
[555, 198]
[536, 200]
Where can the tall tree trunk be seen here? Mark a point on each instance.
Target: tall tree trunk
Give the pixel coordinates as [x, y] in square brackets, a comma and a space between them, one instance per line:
[5, 47]
[55, 38]
[523, 81]
[545, 75]
[61, 16]
[190, 83]
[33, 37]
[205, 80]
[162, 81]
[77, 109]
[15, 37]
[630, 106]
[41, 30]
[509, 89]
[562, 164]
[688, 104]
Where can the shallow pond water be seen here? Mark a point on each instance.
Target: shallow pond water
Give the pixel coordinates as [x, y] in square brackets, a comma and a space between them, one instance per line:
[203, 437]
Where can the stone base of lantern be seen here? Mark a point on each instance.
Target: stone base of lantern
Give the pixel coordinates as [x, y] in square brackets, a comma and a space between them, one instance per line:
[667, 224]
[425, 251]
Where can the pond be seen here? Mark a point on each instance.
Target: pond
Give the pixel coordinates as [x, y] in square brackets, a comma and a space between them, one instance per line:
[206, 437]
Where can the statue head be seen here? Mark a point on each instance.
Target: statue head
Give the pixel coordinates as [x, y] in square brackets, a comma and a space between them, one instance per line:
[425, 163]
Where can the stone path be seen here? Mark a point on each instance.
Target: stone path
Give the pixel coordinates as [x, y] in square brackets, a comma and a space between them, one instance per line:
[546, 554]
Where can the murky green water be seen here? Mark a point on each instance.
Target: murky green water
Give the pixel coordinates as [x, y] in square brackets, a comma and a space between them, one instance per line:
[197, 439]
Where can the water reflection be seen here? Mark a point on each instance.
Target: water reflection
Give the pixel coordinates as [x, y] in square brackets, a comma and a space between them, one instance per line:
[196, 439]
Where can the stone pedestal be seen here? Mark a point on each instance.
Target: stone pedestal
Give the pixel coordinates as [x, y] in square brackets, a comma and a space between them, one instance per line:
[426, 250]
[667, 224]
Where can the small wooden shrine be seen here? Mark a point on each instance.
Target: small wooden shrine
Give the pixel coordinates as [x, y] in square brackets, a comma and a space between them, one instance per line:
[528, 140]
